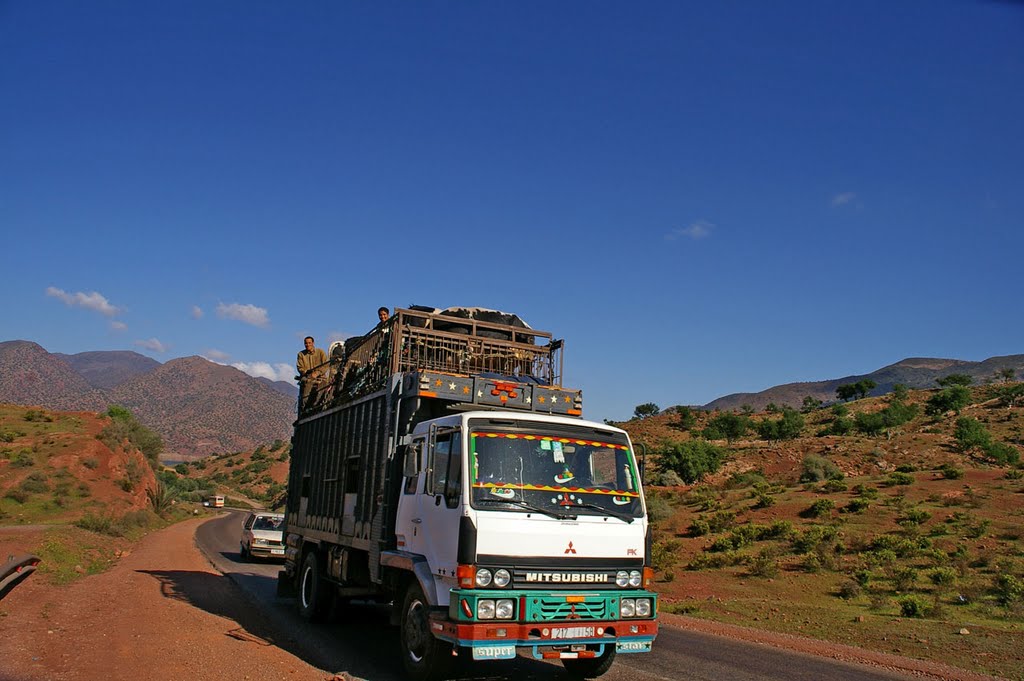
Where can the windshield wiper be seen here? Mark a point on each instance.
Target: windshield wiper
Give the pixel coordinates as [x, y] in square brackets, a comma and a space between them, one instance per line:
[602, 509]
[528, 507]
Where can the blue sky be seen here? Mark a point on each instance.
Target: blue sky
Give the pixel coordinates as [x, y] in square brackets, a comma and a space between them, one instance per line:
[702, 198]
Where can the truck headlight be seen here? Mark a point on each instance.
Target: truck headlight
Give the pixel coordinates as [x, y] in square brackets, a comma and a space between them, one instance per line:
[627, 607]
[643, 607]
[502, 578]
[485, 609]
[483, 578]
[621, 578]
[635, 578]
[504, 609]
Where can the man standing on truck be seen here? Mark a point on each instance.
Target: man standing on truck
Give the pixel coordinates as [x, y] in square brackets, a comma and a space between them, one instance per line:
[309, 364]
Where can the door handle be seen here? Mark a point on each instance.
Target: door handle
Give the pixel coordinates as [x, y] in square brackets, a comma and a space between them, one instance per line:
[417, 520]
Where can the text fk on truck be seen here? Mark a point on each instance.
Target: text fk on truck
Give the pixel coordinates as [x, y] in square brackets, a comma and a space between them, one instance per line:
[440, 466]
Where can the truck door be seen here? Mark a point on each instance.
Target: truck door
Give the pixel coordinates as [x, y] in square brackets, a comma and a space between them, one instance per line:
[430, 515]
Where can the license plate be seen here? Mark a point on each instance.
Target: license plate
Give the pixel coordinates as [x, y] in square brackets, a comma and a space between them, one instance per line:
[572, 632]
[494, 652]
[633, 647]
[277, 552]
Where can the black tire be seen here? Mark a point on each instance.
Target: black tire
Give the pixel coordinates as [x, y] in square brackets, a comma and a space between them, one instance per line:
[591, 667]
[243, 553]
[314, 593]
[424, 657]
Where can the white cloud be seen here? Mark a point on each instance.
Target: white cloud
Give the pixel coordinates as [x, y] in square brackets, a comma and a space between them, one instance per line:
[275, 372]
[118, 326]
[151, 344]
[843, 199]
[217, 356]
[90, 301]
[250, 314]
[697, 230]
[197, 312]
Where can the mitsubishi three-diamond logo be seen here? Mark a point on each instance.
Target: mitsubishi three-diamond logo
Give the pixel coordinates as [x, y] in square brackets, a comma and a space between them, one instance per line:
[570, 549]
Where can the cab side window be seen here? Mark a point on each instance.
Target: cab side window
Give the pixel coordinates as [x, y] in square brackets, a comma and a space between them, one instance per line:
[444, 467]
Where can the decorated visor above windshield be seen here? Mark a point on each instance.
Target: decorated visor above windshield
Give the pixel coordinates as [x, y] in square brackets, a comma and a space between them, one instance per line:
[553, 472]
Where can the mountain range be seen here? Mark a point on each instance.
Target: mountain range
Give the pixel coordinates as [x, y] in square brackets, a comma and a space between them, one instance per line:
[917, 373]
[199, 407]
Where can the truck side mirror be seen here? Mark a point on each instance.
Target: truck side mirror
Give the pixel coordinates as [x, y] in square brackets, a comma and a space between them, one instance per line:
[411, 460]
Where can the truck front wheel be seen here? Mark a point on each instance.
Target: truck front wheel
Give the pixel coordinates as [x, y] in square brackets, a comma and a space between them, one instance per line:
[314, 596]
[591, 667]
[425, 658]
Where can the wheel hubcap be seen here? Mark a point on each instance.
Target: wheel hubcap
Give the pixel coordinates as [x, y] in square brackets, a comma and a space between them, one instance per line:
[416, 631]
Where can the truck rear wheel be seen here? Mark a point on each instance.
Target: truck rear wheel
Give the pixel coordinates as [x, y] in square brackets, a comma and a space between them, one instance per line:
[425, 658]
[591, 667]
[314, 592]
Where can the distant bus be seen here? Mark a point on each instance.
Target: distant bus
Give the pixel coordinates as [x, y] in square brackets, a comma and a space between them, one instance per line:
[216, 501]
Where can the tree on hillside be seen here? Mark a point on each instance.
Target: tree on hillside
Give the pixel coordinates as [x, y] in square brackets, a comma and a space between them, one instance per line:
[846, 392]
[952, 399]
[1011, 395]
[785, 428]
[646, 410]
[691, 460]
[970, 433]
[810, 404]
[860, 389]
[124, 426]
[727, 426]
[1006, 375]
[900, 392]
[865, 386]
[686, 418]
[954, 379]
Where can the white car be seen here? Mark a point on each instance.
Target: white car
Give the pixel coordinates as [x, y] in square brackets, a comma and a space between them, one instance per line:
[262, 536]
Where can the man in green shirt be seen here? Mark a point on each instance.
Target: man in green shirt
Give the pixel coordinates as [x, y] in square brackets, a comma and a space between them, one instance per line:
[311, 364]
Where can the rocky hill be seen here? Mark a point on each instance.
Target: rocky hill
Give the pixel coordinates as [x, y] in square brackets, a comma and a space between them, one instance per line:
[32, 376]
[108, 368]
[198, 407]
[201, 407]
[915, 372]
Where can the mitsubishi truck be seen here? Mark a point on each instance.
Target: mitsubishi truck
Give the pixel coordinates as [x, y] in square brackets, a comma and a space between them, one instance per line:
[441, 467]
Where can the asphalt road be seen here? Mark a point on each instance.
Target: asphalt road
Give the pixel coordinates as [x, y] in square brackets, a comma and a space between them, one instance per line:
[360, 642]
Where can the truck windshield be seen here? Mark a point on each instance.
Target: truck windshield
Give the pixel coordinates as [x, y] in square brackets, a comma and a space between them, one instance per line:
[549, 471]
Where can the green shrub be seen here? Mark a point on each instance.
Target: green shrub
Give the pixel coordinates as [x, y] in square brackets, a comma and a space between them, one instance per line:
[699, 528]
[951, 472]
[38, 416]
[765, 564]
[18, 495]
[904, 578]
[691, 460]
[1009, 590]
[914, 516]
[763, 500]
[818, 468]
[6, 436]
[819, 508]
[855, 506]
[865, 492]
[659, 508]
[811, 538]
[35, 483]
[899, 478]
[91, 464]
[849, 589]
[665, 555]
[970, 433]
[900, 546]
[833, 486]
[943, 577]
[101, 524]
[1015, 474]
[1002, 453]
[23, 459]
[911, 606]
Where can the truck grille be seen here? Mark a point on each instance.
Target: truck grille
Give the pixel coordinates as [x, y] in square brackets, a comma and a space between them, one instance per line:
[557, 609]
